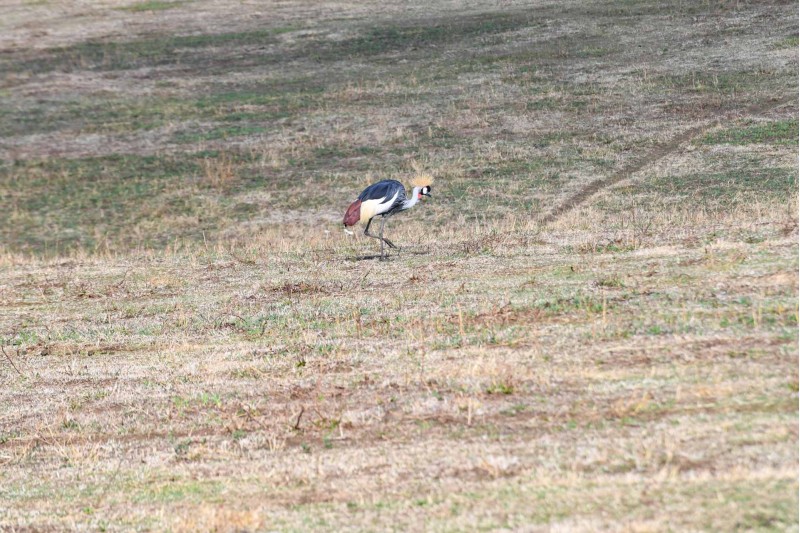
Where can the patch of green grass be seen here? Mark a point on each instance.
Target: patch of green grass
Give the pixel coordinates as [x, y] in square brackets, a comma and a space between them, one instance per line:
[500, 387]
[625, 10]
[788, 42]
[92, 115]
[777, 132]
[568, 305]
[265, 101]
[292, 92]
[718, 188]
[152, 5]
[63, 203]
[423, 35]
[592, 51]
[220, 132]
[155, 51]
[189, 49]
[175, 491]
[704, 82]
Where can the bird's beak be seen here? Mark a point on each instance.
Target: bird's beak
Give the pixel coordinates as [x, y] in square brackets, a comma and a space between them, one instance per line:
[426, 194]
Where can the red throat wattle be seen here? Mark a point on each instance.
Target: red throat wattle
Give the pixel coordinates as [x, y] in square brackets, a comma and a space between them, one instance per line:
[419, 195]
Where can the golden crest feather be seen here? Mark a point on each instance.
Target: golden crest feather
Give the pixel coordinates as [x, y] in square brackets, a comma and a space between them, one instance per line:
[422, 180]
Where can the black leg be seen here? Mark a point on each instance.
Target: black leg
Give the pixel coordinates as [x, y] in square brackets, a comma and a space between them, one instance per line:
[368, 234]
[383, 222]
[379, 237]
[387, 241]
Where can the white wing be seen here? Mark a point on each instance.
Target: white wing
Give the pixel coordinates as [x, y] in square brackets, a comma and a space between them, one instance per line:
[375, 207]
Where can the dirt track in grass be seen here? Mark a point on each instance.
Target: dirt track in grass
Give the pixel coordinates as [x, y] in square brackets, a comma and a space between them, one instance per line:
[656, 155]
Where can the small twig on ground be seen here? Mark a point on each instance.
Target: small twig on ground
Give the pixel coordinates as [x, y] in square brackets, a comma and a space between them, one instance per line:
[251, 416]
[299, 416]
[108, 483]
[365, 275]
[3, 348]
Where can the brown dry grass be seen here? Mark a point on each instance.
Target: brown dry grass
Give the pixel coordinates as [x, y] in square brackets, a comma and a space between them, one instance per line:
[197, 345]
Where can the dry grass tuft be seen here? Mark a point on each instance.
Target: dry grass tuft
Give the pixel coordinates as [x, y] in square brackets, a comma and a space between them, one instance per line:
[219, 173]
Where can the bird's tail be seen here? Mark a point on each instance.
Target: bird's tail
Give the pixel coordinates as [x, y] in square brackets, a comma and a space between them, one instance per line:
[353, 214]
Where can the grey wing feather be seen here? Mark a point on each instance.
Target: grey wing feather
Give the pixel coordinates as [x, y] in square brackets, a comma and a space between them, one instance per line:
[384, 189]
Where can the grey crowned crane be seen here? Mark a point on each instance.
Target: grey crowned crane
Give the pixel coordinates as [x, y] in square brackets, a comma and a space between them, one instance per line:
[385, 199]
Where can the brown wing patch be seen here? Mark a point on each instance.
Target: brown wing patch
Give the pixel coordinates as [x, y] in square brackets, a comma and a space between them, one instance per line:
[353, 214]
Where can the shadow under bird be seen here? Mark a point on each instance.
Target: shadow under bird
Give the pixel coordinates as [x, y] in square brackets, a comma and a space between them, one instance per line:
[384, 199]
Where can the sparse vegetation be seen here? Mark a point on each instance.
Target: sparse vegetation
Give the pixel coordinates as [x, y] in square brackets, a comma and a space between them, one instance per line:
[591, 326]
[784, 132]
[153, 5]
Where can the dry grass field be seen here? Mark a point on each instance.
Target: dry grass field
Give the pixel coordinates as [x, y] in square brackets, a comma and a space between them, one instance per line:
[592, 325]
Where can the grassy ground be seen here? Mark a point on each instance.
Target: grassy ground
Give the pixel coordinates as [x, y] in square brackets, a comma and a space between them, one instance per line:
[592, 325]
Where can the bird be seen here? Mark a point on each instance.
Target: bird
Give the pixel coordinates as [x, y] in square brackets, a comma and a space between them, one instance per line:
[385, 198]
